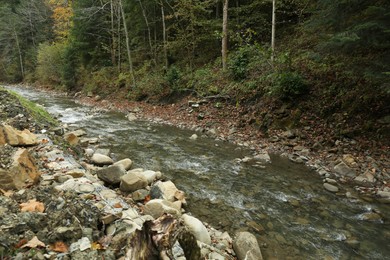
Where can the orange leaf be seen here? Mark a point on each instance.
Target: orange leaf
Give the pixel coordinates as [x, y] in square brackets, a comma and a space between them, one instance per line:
[117, 205]
[147, 199]
[32, 206]
[21, 243]
[96, 246]
[33, 243]
[45, 141]
[60, 247]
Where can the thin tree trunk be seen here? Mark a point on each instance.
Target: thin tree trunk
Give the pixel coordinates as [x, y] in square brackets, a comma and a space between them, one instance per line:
[113, 40]
[149, 34]
[273, 31]
[127, 43]
[224, 34]
[20, 54]
[164, 36]
[119, 40]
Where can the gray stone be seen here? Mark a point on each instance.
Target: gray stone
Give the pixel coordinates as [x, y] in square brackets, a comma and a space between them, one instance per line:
[196, 227]
[246, 247]
[216, 256]
[194, 137]
[132, 181]
[126, 163]
[103, 151]
[158, 207]
[164, 190]
[344, 170]
[100, 159]
[330, 187]
[112, 174]
[131, 116]
[383, 194]
[150, 176]
[139, 195]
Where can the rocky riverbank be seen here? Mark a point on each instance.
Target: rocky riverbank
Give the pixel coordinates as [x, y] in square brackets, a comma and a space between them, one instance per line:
[349, 167]
[60, 200]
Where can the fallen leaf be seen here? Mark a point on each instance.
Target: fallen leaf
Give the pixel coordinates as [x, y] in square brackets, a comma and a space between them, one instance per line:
[32, 206]
[21, 243]
[7, 193]
[45, 141]
[96, 246]
[117, 205]
[34, 243]
[147, 199]
[60, 247]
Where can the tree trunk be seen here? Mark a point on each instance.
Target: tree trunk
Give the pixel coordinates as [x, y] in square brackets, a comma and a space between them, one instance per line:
[119, 40]
[273, 31]
[20, 54]
[149, 34]
[127, 43]
[113, 39]
[224, 34]
[164, 36]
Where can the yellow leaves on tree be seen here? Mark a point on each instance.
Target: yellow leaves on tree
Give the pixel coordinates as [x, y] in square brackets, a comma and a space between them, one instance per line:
[32, 206]
[62, 14]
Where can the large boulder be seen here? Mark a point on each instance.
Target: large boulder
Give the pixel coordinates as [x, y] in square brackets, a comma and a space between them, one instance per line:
[196, 227]
[164, 190]
[132, 181]
[126, 163]
[112, 174]
[14, 137]
[158, 207]
[100, 159]
[246, 247]
[22, 172]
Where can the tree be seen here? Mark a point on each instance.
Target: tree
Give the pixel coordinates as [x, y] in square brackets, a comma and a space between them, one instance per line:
[224, 34]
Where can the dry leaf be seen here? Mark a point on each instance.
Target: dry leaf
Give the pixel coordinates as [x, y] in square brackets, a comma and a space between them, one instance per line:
[45, 141]
[117, 205]
[7, 193]
[96, 246]
[32, 206]
[21, 243]
[147, 199]
[33, 243]
[60, 247]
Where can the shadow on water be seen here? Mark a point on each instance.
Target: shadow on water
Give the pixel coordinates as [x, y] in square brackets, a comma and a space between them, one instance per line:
[283, 203]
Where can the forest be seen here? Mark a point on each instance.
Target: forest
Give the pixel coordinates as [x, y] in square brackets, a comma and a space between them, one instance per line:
[333, 54]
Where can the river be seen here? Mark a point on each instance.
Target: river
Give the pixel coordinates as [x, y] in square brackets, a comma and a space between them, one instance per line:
[283, 203]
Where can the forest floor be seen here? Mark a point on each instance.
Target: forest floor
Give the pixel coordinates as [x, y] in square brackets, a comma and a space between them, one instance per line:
[361, 162]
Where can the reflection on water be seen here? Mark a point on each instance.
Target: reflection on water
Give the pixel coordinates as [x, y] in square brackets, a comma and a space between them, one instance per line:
[284, 203]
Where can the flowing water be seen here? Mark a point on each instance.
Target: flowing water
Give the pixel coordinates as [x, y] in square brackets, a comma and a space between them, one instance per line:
[283, 203]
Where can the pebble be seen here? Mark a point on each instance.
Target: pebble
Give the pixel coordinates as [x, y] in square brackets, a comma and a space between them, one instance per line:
[330, 187]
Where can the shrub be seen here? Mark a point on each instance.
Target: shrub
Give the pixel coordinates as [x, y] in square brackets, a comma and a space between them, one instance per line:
[288, 85]
[50, 63]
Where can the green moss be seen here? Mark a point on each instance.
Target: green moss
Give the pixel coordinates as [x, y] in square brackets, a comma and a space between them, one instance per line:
[36, 111]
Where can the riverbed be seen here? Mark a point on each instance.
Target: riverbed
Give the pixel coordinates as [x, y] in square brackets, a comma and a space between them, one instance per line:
[282, 202]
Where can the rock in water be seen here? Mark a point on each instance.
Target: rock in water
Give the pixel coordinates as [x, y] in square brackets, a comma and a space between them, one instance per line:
[330, 187]
[246, 247]
[196, 227]
[100, 159]
[112, 174]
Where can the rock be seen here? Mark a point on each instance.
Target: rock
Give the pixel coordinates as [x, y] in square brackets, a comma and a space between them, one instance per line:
[216, 256]
[59, 131]
[89, 152]
[349, 160]
[194, 137]
[330, 187]
[132, 181]
[383, 194]
[78, 132]
[112, 174]
[365, 179]
[196, 227]
[71, 139]
[139, 195]
[263, 157]
[76, 173]
[150, 176]
[103, 151]
[126, 163]
[157, 207]
[14, 137]
[371, 216]
[164, 190]
[100, 159]
[344, 170]
[22, 172]
[131, 117]
[246, 247]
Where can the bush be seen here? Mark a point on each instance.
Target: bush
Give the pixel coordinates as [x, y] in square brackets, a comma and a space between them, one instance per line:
[288, 85]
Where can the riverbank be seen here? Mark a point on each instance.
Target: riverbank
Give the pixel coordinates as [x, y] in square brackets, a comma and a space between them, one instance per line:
[347, 166]
[59, 205]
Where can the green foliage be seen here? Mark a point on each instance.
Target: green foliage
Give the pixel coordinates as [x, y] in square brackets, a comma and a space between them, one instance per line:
[288, 85]
[50, 63]
[173, 76]
[238, 63]
[69, 66]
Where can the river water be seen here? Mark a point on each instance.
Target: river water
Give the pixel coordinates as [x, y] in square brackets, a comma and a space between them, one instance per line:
[283, 204]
